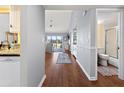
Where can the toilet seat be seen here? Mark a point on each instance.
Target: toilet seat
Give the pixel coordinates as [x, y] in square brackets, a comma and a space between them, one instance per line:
[104, 56]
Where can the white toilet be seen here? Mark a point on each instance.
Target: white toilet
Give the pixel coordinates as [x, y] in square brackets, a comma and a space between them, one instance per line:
[103, 59]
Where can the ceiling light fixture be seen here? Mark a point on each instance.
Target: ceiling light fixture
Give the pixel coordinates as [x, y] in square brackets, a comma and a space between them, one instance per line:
[51, 25]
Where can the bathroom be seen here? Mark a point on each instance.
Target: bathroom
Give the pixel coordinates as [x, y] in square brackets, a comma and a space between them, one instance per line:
[108, 29]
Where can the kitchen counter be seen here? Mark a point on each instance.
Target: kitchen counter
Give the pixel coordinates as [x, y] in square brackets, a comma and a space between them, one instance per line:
[10, 52]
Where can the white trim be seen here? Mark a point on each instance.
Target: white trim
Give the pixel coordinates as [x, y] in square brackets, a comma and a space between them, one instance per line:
[93, 79]
[90, 78]
[42, 80]
[74, 55]
[121, 53]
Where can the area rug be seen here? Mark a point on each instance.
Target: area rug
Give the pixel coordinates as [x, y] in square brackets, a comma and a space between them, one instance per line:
[107, 70]
[63, 58]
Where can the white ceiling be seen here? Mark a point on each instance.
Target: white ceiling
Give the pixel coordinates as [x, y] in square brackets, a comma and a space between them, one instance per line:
[60, 21]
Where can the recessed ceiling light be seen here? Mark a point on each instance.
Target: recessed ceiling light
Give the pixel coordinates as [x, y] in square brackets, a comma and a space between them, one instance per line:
[51, 25]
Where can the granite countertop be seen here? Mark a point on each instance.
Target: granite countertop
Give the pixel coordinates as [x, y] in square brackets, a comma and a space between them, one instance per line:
[10, 52]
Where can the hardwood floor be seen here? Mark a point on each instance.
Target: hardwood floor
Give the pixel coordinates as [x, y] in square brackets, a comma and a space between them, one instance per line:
[71, 75]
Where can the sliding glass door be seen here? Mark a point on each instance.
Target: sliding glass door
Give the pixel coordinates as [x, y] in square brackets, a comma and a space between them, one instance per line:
[112, 42]
[59, 42]
[56, 43]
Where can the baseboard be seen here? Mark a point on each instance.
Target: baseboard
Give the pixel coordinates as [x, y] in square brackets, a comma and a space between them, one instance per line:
[83, 69]
[121, 78]
[93, 78]
[42, 80]
[90, 78]
[71, 52]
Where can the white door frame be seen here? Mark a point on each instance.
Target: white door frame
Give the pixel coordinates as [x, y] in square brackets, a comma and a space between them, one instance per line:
[121, 57]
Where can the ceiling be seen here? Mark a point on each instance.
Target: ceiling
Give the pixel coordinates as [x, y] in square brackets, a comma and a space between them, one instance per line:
[57, 21]
[59, 15]
[77, 7]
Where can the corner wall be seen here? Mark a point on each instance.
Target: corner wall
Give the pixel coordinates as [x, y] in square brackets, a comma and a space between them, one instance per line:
[32, 45]
[86, 47]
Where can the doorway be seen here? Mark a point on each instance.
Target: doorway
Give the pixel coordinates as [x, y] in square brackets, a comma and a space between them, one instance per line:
[56, 43]
[108, 42]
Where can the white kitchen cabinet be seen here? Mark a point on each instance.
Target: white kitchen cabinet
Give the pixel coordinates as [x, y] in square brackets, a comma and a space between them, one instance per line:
[14, 19]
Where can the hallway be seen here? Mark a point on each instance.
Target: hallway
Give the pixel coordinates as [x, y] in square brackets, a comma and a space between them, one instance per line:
[71, 75]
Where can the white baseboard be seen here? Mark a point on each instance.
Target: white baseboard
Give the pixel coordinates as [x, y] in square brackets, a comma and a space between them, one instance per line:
[42, 80]
[71, 52]
[121, 77]
[90, 78]
[93, 79]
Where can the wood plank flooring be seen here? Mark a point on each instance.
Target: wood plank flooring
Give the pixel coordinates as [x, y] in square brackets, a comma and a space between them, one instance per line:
[71, 75]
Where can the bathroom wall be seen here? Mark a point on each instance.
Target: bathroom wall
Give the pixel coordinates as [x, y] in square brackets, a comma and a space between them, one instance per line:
[32, 45]
[101, 38]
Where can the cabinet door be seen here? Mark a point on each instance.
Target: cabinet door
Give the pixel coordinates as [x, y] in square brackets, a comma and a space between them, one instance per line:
[15, 19]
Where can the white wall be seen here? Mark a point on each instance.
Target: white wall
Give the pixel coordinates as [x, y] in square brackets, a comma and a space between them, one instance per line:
[101, 36]
[73, 25]
[4, 26]
[60, 21]
[32, 45]
[86, 47]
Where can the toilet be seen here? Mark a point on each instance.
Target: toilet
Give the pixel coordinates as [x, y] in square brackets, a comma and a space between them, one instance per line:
[103, 59]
